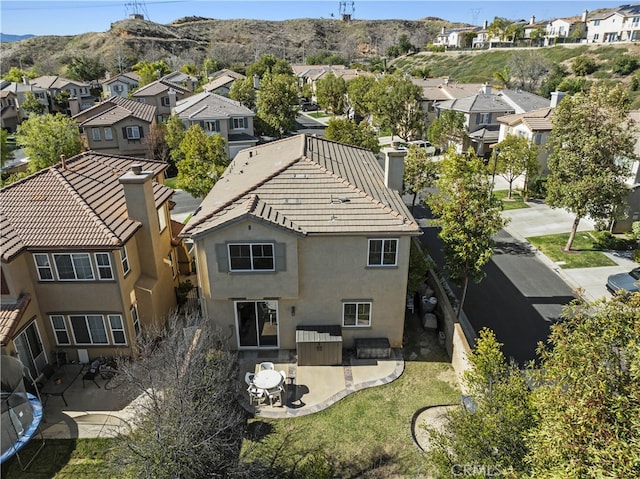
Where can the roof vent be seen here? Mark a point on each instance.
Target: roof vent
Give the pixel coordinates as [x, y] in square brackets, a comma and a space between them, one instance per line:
[292, 200]
[300, 175]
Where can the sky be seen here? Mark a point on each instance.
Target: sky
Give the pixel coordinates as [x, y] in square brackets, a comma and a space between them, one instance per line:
[72, 17]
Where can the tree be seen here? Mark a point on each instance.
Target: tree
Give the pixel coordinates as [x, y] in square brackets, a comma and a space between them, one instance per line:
[468, 215]
[504, 77]
[550, 83]
[590, 144]
[537, 36]
[499, 28]
[572, 85]
[187, 422]
[31, 104]
[17, 75]
[514, 157]
[242, 90]
[85, 68]
[490, 430]
[157, 147]
[150, 72]
[583, 65]
[347, 131]
[420, 172]
[357, 89]
[269, 64]
[395, 104]
[46, 137]
[447, 129]
[528, 67]
[204, 159]
[625, 65]
[7, 154]
[330, 93]
[588, 404]
[278, 102]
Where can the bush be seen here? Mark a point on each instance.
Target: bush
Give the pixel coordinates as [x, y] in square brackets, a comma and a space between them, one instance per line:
[604, 240]
[538, 187]
[625, 65]
[636, 255]
[583, 65]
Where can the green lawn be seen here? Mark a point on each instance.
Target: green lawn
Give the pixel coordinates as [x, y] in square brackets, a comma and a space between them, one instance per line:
[171, 182]
[583, 254]
[318, 114]
[516, 201]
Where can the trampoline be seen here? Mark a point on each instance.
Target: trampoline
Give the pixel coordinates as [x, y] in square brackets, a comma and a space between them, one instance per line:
[21, 412]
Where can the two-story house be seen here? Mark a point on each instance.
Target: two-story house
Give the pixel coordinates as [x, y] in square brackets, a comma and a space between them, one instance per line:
[621, 24]
[457, 37]
[17, 92]
[163, 95]
[120, 85]
[79, 94]
[87, 258]
[559, 30]
[631, 210]
[222, 81]
[221, 115]
[304, 233]
[117, 126]
[482, 110]
[185, 80]
[9, 115]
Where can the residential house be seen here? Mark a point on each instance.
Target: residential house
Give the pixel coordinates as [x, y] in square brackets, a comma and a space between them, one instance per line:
[535, 31]
[79, 94]
[185, 80]
[631, 210]
[17, 91]
[9, 115]
[621, 24]
[304, 233]
[560, 29]
[120, 85]
[457, 37]
[435, 90]
[87, 259]
[482, 110]
[117, 126]
[222, 84]
[219, 114]
[163, 95]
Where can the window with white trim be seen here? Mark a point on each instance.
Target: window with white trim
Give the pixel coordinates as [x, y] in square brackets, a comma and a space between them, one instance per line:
[239, 123]
[117, 329]
[60, 329]
[125, 260]
[133, 132]
[95, 134]
[103, 265]
[356, 314]
[43, 266]
[73, 266]
[212, 126]
[383, 252]
[162, 217]
[88, 329]
[135, 318]
[108, 133]
[251, 257]
[166, 101]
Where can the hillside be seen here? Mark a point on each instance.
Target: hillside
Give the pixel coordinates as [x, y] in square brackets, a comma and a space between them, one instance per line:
[191, 39]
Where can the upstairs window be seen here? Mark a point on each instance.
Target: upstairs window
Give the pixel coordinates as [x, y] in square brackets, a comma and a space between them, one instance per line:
[74, 266]
[162, 218]
[117, 329]
[210, 126]
[132, 132]
[251, 257]
[43, 266]
[383, 252]
[239, 123]
[125, 260]
[60, 329]
[95, 134]
[108, 134]
[89, 329]
[103, 262]
[135, 318]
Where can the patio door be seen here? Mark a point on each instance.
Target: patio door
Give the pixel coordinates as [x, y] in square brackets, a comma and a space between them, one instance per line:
[30, 350]
[257, 323]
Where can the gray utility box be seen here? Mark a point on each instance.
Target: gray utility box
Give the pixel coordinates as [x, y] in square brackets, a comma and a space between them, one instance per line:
[373, 348]
[319, 345]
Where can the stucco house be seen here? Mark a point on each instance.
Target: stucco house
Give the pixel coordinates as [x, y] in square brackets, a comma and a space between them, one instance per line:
[120, 85]
[457, 37]
[221, 115]
[435, 90]
[631, 211]
[163, 95]
[620, 24]
[304, 234]
[559, 30]
[80, 96]
[17, 91]
[87, 258]
[9, 114]
[117, 126]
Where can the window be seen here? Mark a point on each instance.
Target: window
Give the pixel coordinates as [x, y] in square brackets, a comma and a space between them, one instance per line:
[75, 266]
[89, 329]
[103, 262]
[132, 132]
[383, 252]
[125, 260]
[60, 329]
[108, 134]
[135, 318]
[596, 23]
[483, 119]
[95, 133]
[356, 314]
[210, 126]
[251, 257]
[43, 266]
[537, 138]
[117, 329]
[239, 123]
[162, 218]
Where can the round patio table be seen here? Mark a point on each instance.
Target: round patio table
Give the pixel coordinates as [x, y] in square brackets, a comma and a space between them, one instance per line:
[267, 379]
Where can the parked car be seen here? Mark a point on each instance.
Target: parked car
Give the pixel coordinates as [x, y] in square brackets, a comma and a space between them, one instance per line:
[308, 106]
[429, 148]
[629, 282]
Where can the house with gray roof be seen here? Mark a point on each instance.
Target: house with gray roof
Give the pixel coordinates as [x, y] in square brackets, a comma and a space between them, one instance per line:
[162, 94]
[17, 91]
[304, 234]
[482, 110]
[87, 258]
[79, 93]
[117, 126]
[120, 85]
[217, 114]
[621, 24]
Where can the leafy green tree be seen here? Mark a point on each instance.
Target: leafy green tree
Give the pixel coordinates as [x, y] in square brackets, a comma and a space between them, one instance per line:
[499, 28]
[504, 77]
[86, 68]
[347, 131]
[514, 157]
[583, 65]
[330, 93]
[325, 58]
[173, 136]
[420, 172]
[17, 75]
[150, 72]
[31, 104]
[537, 36]
[590, 144]
[468, 215]
[588, 405]
[625, 64]
[242, 90]
[551, 81]
[209, 65]
[269, 64]
[447, 129]
[572, 85]
[357, 89]
[7, 154]
[490, 430]
[204, 159]
[395, 104]
[46, 137]
[278, 102]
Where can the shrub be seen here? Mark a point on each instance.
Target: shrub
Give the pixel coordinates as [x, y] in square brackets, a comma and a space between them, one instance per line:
[636, 255]
[583, 65]
[625, 65]
[538, 187]
[604, 240]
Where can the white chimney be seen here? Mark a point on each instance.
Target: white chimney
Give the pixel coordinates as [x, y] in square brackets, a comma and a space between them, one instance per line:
[556, 98]
[443, 30]
[485, 25]
[532, 20]
[172, 98]
[394, 168]
[25, 79]
[584, 16]
[486, 89]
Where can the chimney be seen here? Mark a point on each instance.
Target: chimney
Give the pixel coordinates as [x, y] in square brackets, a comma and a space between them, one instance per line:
[63, 160]
[485, 25]
[486, 89]
[172, 98]
[256, 82]
[394, 168]
[107, 75]
[446, 80]
[443, 31]
[25, 79]
[158, 74]
[532, 20]
[584, 16]
[556, 98]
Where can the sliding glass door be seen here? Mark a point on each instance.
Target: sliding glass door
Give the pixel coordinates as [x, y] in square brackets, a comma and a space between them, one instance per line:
[257, 323]
[30, 350]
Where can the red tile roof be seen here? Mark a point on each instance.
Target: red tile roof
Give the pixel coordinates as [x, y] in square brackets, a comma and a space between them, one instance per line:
[10, 315]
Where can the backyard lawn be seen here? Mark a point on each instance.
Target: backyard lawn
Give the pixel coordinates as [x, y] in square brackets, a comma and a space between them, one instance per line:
[583, 253]
[516, 201]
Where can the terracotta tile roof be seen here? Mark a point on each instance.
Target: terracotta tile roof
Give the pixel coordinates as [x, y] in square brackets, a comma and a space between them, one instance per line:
[10, 315]
[307, 185]
[159, 86]
[120, 108]
[131, 76]
[218, 82]
[79, 206]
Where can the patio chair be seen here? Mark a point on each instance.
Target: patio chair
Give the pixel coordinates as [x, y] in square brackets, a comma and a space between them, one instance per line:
[274, 394]
[248, 378]
[284, 376]
[90, 375]
[256, 394]
[266, 365]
